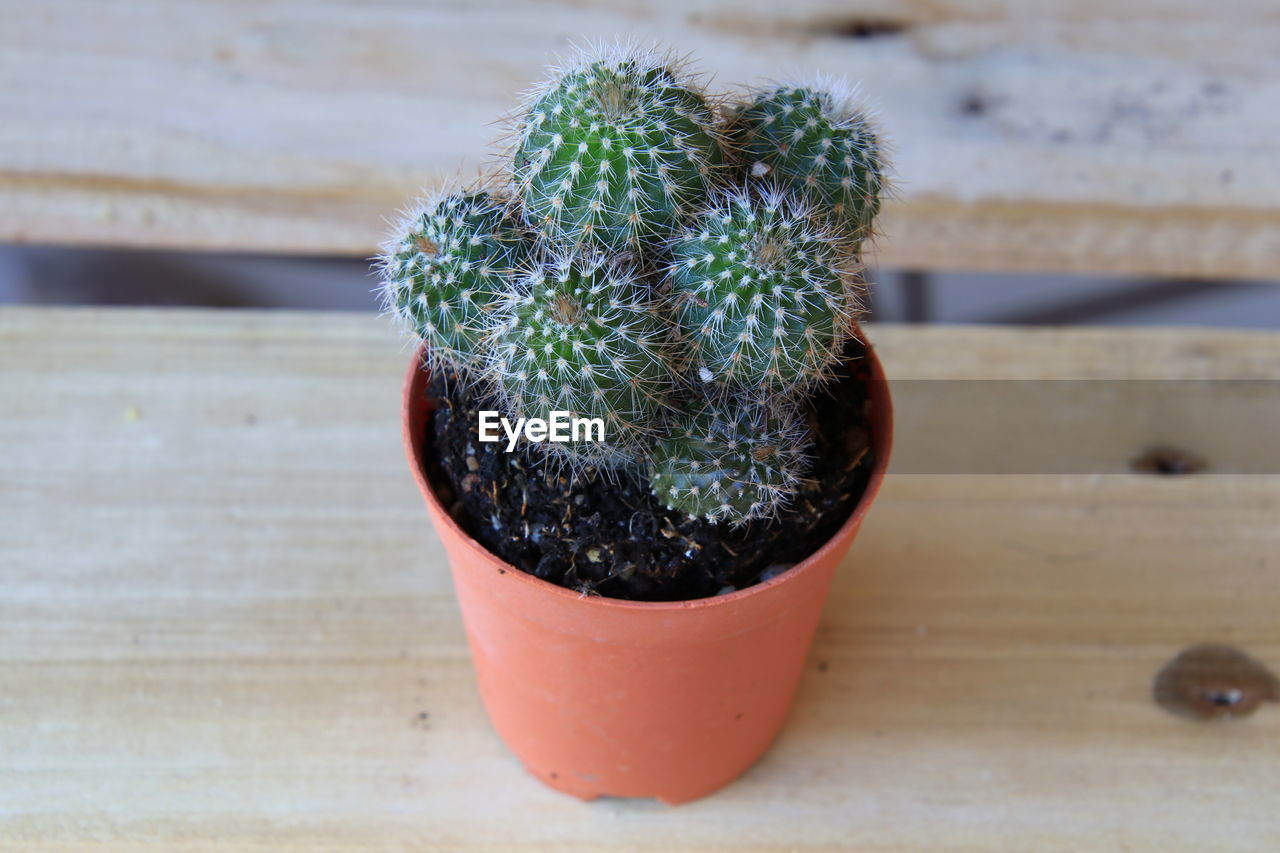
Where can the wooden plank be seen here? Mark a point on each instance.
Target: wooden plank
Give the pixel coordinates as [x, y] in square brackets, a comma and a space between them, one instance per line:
[225, 621]
[1125, 136]
[1088, 401]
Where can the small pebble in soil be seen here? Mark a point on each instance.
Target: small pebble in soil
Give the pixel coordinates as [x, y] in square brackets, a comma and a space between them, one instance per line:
[774, 570]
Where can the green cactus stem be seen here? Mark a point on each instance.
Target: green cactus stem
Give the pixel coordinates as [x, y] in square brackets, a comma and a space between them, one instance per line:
[445, 269]
[585, 337]
[817, 144]
[764, 294]
[614, 151]
[682, 280]
[731, 459]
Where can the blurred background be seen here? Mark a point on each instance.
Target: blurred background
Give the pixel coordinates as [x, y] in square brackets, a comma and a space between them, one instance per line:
[1056, 163]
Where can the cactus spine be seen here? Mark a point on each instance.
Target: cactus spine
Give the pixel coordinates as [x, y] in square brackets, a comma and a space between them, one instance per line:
[614, 151]
[584, 337]
[763, 292]
[445, 268]
[818, 145]
[731, 459]
[623, 280]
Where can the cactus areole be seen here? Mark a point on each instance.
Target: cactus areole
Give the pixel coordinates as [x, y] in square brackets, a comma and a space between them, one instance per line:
[645, 328]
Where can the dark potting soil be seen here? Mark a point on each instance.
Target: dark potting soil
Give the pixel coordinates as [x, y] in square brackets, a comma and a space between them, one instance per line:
[608, 535]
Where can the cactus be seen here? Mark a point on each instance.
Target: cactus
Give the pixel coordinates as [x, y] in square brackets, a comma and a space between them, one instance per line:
[625, 281]
[764, 293]
[585, 337]
[731, 459]
[818, 144]
[443, 271]
[614, 151]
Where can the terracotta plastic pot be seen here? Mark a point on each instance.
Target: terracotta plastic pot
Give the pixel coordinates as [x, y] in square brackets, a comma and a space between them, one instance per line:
[636, 699]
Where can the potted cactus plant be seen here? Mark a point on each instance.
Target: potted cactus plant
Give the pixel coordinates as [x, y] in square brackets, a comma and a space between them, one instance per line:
[657, 304]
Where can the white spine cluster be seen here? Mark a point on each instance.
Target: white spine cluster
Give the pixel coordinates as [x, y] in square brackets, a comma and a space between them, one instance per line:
[819, 138]
[764, 291]
[615, 149]
[733, 460]
[587, 338]
[444, 268]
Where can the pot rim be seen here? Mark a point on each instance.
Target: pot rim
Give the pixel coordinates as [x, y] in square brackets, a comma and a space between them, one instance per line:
[881, 441]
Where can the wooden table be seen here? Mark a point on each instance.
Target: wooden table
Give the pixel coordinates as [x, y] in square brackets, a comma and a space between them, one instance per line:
[225, 621]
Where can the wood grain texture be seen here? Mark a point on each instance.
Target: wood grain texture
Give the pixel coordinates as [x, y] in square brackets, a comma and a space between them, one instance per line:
[226, 623]
[1126, 137]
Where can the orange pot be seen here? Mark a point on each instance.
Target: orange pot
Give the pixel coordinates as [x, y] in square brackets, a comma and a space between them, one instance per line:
[637, 699]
